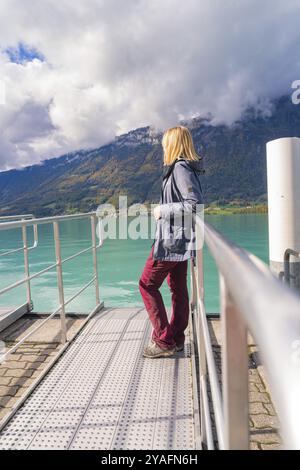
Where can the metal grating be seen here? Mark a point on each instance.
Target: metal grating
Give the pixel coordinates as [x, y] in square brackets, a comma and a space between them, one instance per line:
[102, 394]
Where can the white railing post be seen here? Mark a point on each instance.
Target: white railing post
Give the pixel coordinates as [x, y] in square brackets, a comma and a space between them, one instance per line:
[26, 266]
[201, 346]
[193, 289]
[60, 284]
[234, 373]
[95, 265]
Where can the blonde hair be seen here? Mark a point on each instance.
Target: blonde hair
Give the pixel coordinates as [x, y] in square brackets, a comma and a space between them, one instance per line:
[177, 141]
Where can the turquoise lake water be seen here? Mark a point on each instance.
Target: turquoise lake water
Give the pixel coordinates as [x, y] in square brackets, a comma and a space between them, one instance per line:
[120, 264]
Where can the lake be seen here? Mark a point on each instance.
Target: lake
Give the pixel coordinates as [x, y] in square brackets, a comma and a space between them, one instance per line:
[120, 264]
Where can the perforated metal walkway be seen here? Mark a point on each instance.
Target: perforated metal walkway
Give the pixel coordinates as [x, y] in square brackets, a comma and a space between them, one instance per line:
[102, 394]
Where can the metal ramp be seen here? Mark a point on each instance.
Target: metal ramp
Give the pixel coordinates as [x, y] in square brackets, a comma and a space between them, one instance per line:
[102, 394]
[9, 315]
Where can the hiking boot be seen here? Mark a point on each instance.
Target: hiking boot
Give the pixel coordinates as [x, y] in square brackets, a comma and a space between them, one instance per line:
[153, 350]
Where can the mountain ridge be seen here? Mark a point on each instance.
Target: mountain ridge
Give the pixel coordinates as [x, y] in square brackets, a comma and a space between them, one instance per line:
[234, 159]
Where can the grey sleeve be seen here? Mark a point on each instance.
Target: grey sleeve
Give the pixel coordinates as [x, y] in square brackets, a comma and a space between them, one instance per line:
[188, 184]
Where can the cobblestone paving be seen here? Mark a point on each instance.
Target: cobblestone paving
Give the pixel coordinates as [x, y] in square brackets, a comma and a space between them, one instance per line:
[23, 367]
[263, 420]
[21, 370]
[264, 423]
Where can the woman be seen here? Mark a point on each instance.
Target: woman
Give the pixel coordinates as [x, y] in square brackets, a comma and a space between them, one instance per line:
[174, 243]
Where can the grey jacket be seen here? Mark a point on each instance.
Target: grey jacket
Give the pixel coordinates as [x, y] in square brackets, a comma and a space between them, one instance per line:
[181, 197]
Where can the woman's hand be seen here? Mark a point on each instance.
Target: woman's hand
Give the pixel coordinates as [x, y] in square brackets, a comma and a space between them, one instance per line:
[156, 212]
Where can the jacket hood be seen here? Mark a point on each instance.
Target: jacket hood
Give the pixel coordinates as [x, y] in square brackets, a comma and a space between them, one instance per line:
[194, 165]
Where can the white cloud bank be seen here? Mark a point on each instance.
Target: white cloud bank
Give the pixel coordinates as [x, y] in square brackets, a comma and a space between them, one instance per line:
[113, 65]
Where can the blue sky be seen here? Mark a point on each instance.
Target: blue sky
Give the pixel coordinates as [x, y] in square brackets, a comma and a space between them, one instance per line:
[23, 53]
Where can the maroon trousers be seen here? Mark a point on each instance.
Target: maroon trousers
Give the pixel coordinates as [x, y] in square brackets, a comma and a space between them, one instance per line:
[166, 334]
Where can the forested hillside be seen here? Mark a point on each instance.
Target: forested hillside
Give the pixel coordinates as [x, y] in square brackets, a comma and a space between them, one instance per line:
[234, 159]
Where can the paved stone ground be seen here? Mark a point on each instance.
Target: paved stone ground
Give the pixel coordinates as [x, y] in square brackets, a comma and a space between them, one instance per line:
[24, 367]
[263, 420]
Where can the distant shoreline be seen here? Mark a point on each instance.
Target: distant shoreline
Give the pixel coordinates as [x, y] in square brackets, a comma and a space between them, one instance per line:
[230, 209]
[213, 209]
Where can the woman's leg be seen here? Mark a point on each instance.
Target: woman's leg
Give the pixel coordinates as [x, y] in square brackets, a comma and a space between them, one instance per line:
[151, 279]
[177, 280]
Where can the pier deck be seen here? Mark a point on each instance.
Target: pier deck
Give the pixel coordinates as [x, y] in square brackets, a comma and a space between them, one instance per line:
[102, 394]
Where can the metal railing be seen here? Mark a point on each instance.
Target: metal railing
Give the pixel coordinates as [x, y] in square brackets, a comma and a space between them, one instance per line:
[26, 249]
[23, 224]
[16, 217]
[253, 300]
[286, 262]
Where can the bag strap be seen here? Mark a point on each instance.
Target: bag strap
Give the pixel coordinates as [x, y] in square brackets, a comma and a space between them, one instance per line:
[162, 190]
[177, 189]
[182, 200]
[165, 180]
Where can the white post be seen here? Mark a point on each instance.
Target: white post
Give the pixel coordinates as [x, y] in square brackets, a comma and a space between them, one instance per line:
[235, 384]
[26, 266]
[60, 283]
[283, 172]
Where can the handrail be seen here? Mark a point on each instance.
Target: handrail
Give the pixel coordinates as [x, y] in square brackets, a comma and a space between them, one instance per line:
[17, 216]
[45, 220]
[16, 250]
[251, 299]
[23, 224]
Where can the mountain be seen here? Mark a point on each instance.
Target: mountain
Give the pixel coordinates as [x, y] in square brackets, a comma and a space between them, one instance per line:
[234, 160]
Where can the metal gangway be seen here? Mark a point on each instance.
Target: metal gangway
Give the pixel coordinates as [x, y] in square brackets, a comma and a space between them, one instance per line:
[100, 393]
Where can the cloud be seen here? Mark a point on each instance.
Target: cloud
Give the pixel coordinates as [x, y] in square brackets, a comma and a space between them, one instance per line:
[78, 73]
